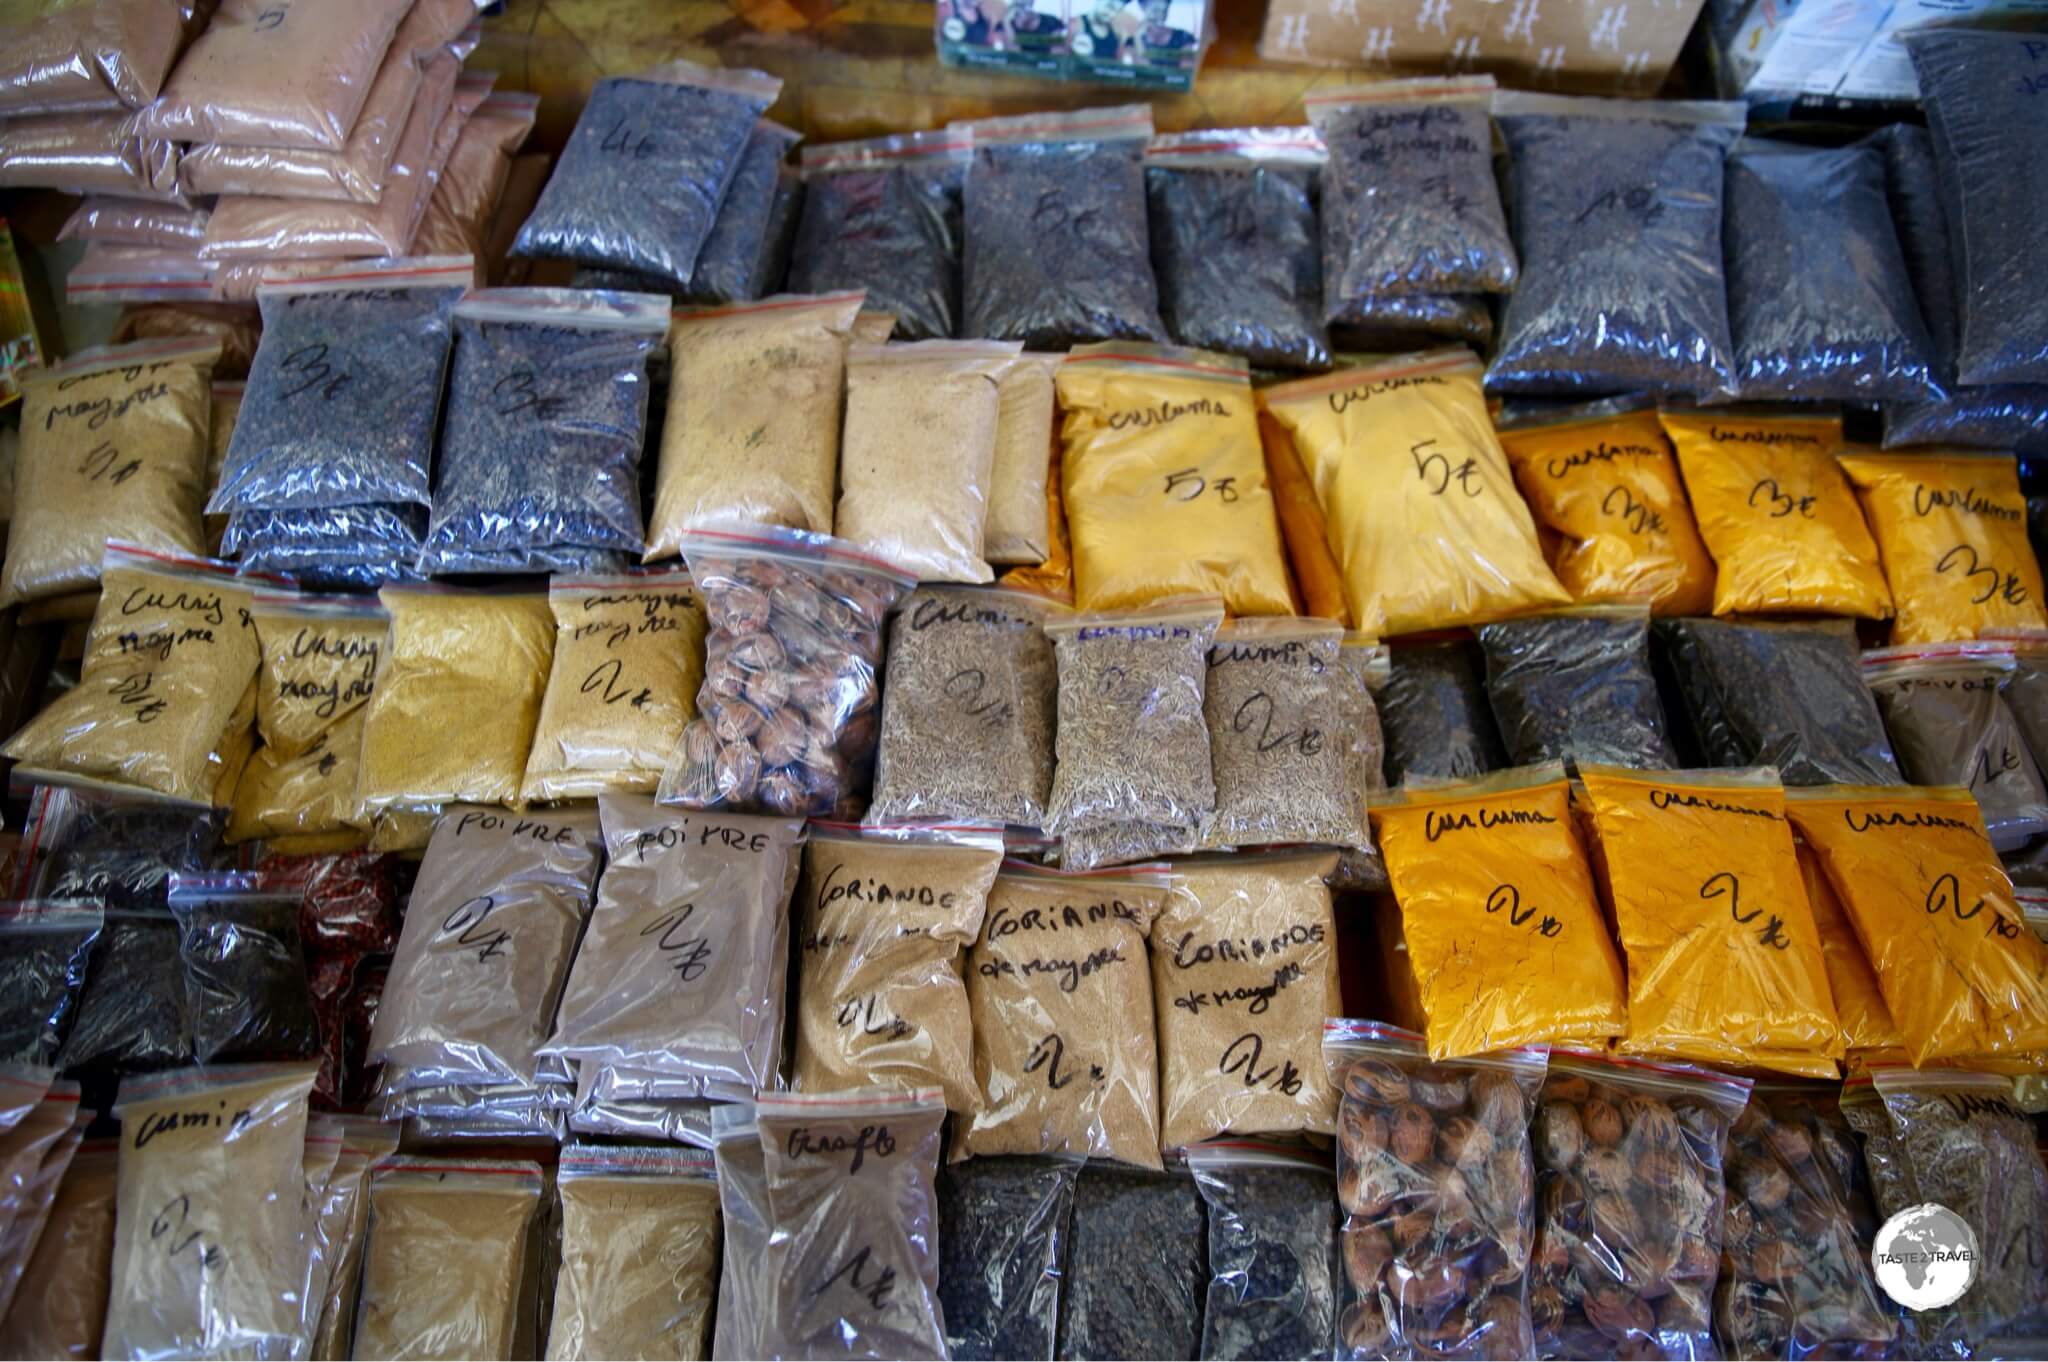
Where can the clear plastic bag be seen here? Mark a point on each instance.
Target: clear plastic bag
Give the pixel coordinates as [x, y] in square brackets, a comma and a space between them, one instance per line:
[1005, 1230]
[331, 548]
[136, 222]
[884, 216]
[45, 947]
[1284, 770]
[88, 153]
[488, 937]
[1617, 216]
[746, 1277]
[1056, 241]
[851, 1206]
[108, 54]
[1233, 222]
[138, 274]
[1138, 1272]
[680, 974]
[786, 720]
[61, 1302]
[1576, 686]
[1365, 667]
[245, 969]
[729, 267]
[1272, 1250]
[1434, 711]
[639, 1253]
[237, 326]
[638, 186]
[1834, 325]
[1951, 726]
[132, 1015]
[457, 220]
[1026, 422]
[31, 1208]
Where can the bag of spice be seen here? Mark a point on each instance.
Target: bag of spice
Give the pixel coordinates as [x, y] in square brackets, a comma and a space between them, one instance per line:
[456, 662]
[1953, 531]
[44, 1134]
[918, 453]
[105, 55]
[786, 719]
[540, 448]
[1026, 408]
[622, 687]
[136, 222]
[488, 936]
[60, 1306]
[883, 919]
[339, 1230]
[443, 1271]
[237, 326]
[245, 968]
[1576, 686]
[213, 1162]
[1233, 220]
[114, 446]
[680, 974]
[1951, 726]
[1363, 668]
[91, 153]
[1162, 451]
[1501, 914]
[37, 1199]
[1434, 1180]
[884, 216]
[1618, 224]
[968, 709]
[1423, 512]
[1777, 512]
[1935, 916]
[458, 217]
[133, 1015]
[1244, 967]
[1272, 1249]
[170, 654]
[1603, 479]
[751, 435]
[1868, 1031]
[45, 946]
[639, 1253]
[1629, 1187]
[1318, 582]
[1724, 964]
[745, 1274]
[746, 230]
[335, 548]
[1438, 722]
[1005, 1232]
[1138, 1276]
[1059, 986]
[344, 395]
[1283, 767]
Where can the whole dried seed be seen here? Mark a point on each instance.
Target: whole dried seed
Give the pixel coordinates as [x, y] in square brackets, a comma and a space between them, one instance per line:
[1436, 716]
[1004, 1237]
[245, 974]
[132, 1016]
[1283, 765]
[892, 229]
[1272, 1259]
[1577, 687]
[43, 956]
[1138, 1275]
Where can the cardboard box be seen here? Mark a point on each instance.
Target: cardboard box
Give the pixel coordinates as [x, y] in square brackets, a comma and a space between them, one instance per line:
[1785, 50]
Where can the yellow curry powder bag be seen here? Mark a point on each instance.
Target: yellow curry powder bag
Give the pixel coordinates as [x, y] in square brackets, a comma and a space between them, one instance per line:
[1165, 478]
[1953, 530]
[456, 700]
[1778, 513]
[1500, 915]
[1867, 1026]
[168, 659]
[1423, 513]
[1724, 963]
[1603, 478]
[1935, 913]
[1302, 527]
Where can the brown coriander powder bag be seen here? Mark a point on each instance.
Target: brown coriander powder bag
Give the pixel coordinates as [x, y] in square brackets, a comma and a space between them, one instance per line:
[208, 1251]
[114, 445]
[170, 654]
[60, 1306]
[1244, 970]
[446, 1256]
[639, 1253]
[39, 1197]
[1060, 990]
[884, 915]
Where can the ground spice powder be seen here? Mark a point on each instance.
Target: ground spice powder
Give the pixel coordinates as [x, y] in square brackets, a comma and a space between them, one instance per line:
[639, 1254]
[447, 1248]
[1026, 418]
[60, 1307]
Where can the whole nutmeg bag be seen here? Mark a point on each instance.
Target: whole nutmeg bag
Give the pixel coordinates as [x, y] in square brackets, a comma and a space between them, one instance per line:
[1629, 1182]
[1435, 1181]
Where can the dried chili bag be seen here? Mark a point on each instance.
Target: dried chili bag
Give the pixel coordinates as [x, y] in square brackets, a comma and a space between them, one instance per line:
[639, 1253]
[1952, 727]
[1501, 915]
[245, 968]
[1434, 1179]
[1233, 221]
[1433, 707]
[1005, 1234]
[1053, 216]
[1138, 1275]
[1576, 686]
[1617, 217]
[883, 216]
[1724, 963]
[1934, 912]
[45, 947]
[640, 182]
[1423, 512]
[1272, 1249]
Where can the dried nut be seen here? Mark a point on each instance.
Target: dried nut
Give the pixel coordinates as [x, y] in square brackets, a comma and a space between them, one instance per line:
[1463, 1140]
[1559, 1136]
[1791, 1144]
[1366, 1253]
[1430, 1291]
[1546, 1310]
[1498, 1102]
[1567, 1088]
[1438, 1089]
[1564, 1204]
[1602, 1122]
[1662, 1171]
[1367, 1189]
[1375, 1080]
[1364, 1326]
[1605, 1170]
[1764, 1185]
[1617, 1313]
[1413, 1229]
[1504, 1328]
[1360, 1131]
[1651, 1122]
[1841, 1156]
[1682, 1312]
[1616, 1224]
[1697, 1261]
[1738, 1225]
[1774, 1260]
[1414, 1134]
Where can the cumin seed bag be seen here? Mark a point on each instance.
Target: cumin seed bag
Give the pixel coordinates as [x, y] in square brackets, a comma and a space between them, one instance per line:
[639, 1253]
[1422, 508]
[1952, 726]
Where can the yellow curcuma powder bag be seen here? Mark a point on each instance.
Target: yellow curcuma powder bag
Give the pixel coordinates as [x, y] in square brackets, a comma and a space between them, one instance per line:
[1165, 480]
[1867, 1026]
[1935, 913]
[1953, 529]
[1603, 479]
[1777, 513]
[1423, 514]
[1724, 962]
[1500, 914]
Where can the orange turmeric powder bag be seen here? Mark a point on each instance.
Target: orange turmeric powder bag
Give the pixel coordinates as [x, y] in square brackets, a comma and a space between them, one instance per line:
[1502, 922]
[1302, 527]
[1724, 961]
[1868, 1031]
[1935, 913]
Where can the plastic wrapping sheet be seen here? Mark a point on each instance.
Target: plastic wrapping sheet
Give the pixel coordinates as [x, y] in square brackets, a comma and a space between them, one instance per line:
[639, 1253]
[245, 969]
[638, 186]
[88, 153]
[884, 216]
[1138, 1273]
[1576, 686]
[1951, 726]
[1272, 1250]
[107, 54]
[1005, 1231]
[729, 267]
[1617, 213]
[44, 950]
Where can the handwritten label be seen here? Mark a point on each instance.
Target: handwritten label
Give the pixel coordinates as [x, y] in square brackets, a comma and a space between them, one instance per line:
[1436, 825]
[1722, 884]
[517, 392]
[558, 834]
[868, 1017]
[1620, 503]
[1257, 711]
[1781, 503]
[1244, 1057]
[1987, 580]
[621, 139]
[1144, 418]
[466, 926]
[678, 834]
[1436, 472]
[1638, 201]
[1344, 398]
[858, 1274]
[1927, 500]
[688, 954]
[1506, 898]
[137, 692]
[171, 1234]
[1049, 1057]
[967, 690]
[876, 1141]
[308, 371]
[1188, 483]
[104, 463]
[1602, 452]
[1945, 899]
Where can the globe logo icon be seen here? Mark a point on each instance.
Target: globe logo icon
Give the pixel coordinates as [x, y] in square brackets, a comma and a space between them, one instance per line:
[1925, 1257]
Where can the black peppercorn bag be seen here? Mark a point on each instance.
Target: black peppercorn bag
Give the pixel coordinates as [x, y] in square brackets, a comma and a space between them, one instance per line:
[87, 839]
[331, 548]
[132, 1015]
[245, 968]
[1435, 715]
[1057, 250]
[730, 266]
[540, 448]
[1576, 685]
[44, 949]
[1834, 324]
[652, 157]
[1139, 1270]
[1233, 221]
[1005, 1234]
[1617, 214]
[884, 216]
[1272, 1213]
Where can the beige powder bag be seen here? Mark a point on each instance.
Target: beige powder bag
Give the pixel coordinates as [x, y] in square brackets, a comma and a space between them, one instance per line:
[25, 1146]
[227, 409]
[639, 1254]
[339, 1229]
[1027, 409]
[60, 1307]
[25, 1230]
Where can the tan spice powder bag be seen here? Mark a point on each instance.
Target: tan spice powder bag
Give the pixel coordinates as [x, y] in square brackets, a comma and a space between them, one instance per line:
[639, 1254]
[1244, 972]
[1027, 412]
[341, 1226]
[60, 1307]
[114, 445]
[883, 918]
